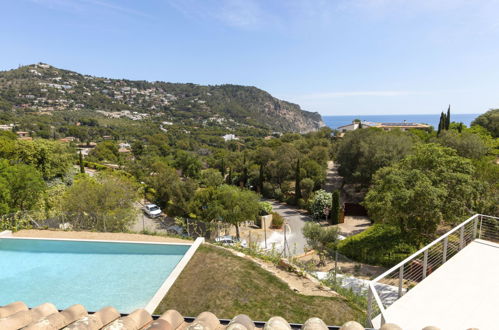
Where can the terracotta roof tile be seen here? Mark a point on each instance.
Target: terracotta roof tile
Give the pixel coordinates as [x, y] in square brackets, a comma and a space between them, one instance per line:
[46, 317]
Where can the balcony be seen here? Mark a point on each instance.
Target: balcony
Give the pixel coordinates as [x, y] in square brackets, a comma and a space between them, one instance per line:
[452, 283]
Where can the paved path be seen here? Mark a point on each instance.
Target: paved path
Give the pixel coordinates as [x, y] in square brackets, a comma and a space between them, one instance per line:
[333, 179]
[296, 220]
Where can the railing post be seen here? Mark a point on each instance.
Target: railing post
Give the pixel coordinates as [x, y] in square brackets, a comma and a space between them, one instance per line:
[461, 238]
[425, 263]
[369, 306]
[475, 225]
[480, 231]
[444, 255]
[401, 280]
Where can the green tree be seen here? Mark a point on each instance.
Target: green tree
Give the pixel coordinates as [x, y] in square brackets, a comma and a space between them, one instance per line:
[424, 189]
[82, 165]
[51, 158]
[262, 157]
[335, 208]
[447, 119]
[307, 187]
[103, 203]
[211, 177]
[297, 180]
[466, 144]
[489, 121]
[20, 187]
[169, 190]
[105, 151]
[362, 152]
[237, 205]
[322, 240]
[188, 163]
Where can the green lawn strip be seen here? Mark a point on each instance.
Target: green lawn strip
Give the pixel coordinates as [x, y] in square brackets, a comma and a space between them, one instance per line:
[215, 280]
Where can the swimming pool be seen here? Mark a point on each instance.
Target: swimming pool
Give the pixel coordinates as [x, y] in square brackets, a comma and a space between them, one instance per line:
[92, 273]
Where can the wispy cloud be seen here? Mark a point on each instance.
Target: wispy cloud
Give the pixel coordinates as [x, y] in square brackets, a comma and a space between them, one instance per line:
[330, 95]
[243, 14]
[86, 6]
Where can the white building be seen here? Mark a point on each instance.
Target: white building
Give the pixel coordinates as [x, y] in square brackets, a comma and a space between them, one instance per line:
[229, 137]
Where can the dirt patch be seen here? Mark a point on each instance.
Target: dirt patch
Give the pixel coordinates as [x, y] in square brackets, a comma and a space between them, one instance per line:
[35, 233]
[348, 267]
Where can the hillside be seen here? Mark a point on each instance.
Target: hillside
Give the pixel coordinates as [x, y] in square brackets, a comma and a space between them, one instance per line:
[44, 89]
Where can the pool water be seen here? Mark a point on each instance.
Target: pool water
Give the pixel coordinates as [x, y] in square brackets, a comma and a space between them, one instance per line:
[94, 274]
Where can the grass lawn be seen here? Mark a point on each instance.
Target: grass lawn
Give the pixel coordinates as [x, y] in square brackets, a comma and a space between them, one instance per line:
[215, 280]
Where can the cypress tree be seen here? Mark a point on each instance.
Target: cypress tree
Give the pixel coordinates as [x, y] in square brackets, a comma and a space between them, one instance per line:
[229, 176]
[245, 171]
[460, 128]
[260, 179]
[297, 181]
[447, 119]
[335, 208]
[441, 123]
[82, 166]
[222, 167]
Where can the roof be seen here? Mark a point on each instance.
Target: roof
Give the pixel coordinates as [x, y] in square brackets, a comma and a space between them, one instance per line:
[46, 316]
[403, 125]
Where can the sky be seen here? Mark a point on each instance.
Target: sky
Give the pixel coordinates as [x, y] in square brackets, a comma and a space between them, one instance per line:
[336, 57]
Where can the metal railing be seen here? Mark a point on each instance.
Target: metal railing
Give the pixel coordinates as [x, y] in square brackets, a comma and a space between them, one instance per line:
[388, 287]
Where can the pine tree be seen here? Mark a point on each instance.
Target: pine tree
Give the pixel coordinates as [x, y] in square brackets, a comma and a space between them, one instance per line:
[297, 181]
[447, 119]
[335, 208]
[82, 166]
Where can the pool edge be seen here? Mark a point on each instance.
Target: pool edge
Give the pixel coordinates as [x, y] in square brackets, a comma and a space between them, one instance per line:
[167, 284]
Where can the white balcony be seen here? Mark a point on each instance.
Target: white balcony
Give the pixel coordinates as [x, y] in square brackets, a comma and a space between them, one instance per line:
[453, 283]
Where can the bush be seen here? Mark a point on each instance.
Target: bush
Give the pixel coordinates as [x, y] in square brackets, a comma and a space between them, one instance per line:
[94, 166]
[291, 200]
[320, 201]
[265, 208]
[301, 203]
[307, 187]
[277, 220]
[278, 194]
[267, 190]
[380, 244]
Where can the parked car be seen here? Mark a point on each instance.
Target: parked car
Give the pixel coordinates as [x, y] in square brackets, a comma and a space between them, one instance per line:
[152, 210]
[176, 230]
[230, 240]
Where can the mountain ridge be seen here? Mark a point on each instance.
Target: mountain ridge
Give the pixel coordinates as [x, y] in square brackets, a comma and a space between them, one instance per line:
[44, 88]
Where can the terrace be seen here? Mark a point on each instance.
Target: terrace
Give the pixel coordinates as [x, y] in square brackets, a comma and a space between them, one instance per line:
[452, 282]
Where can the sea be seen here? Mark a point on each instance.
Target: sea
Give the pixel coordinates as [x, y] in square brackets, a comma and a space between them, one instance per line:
[433, 119]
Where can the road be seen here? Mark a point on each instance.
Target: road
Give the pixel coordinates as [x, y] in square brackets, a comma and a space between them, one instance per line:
[296, 219]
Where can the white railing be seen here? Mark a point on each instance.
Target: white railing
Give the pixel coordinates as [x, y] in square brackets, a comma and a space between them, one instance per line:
[388, 287]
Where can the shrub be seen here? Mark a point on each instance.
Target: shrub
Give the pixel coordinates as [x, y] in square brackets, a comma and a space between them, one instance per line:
[307, 187]
[267, 190]
[301, 203]
[320, 202]
[278, 194]
[277, 220]
[380, 244]
[265, 208]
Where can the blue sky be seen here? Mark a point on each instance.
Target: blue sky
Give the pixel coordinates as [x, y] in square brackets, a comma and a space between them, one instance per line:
[337, 57]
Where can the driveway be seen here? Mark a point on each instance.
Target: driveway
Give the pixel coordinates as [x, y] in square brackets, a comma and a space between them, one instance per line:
[296, 220]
